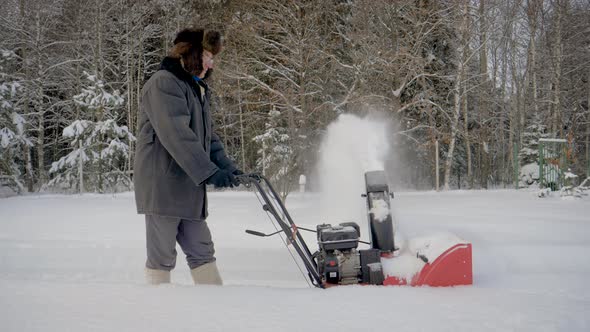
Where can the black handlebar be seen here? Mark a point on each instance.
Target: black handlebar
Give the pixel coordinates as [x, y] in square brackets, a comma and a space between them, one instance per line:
[274, 206]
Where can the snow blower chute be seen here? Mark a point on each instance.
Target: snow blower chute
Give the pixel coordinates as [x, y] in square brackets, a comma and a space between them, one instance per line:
[339, 261]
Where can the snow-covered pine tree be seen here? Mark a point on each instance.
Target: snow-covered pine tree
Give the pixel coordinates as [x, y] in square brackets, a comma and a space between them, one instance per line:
[276, 156]
[99, 148]
[12, 129]
[529, 153]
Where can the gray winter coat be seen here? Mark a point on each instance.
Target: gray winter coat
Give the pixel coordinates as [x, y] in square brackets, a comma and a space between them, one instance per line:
[177, 150]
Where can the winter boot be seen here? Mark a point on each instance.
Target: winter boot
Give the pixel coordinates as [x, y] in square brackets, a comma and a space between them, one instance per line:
[156, 277]
[206, 274]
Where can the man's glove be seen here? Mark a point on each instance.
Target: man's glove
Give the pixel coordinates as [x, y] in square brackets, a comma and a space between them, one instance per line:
[237, 172]
[223, 179]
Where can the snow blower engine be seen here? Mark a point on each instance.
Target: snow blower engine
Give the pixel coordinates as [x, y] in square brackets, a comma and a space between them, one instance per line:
[338, 260]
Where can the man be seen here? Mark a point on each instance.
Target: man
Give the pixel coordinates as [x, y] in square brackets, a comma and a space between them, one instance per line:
[177, 154]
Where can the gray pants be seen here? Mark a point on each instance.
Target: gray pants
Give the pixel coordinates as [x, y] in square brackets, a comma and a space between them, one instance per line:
[162, 233]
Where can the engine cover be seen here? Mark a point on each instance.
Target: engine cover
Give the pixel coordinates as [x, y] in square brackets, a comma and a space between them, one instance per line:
[339, 237]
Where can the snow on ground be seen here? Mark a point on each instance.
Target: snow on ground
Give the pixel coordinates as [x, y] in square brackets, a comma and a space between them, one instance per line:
[74, 263]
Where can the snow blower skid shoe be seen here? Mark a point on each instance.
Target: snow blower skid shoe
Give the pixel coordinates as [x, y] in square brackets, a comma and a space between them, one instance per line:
[440, 261]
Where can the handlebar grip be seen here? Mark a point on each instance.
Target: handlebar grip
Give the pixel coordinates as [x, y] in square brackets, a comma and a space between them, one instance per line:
[248, 178]
[255, 233]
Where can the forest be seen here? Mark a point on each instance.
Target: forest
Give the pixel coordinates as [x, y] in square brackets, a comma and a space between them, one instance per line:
[470, 84]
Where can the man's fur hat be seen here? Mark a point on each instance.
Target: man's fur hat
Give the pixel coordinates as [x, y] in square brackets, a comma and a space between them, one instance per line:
[209, 40]
[189, 45]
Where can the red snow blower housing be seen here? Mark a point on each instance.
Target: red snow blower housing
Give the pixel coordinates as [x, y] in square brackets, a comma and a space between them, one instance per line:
[339, 261]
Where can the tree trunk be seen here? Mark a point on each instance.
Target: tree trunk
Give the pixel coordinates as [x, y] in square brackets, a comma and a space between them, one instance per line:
[139, 79]
[29, 168]
[80, 168]
[533, 7]
[457, 96]
[507, 111]
[483, 105]
[556, 77]
[517, 99]
[41, 147]
[436, 165]
[505, 159]
[129, 79]
[467, 139]
[29, 174]
[40, 108]
[433, 138]
[242, 140]
[454, 125]
[98, 56]
[588, 130]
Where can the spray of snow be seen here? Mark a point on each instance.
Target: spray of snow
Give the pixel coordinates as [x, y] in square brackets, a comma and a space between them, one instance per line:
[351, 147]
[380, 210]
[404, 266]
[408, 262]
[433, 245]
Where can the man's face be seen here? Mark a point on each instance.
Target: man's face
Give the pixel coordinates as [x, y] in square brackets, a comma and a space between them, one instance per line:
[207, 62]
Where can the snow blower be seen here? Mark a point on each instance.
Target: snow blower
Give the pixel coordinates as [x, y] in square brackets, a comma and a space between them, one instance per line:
[339, 261]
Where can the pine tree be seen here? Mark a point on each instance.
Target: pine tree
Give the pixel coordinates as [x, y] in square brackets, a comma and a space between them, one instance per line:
[12, 128]
[277, 158]
[100, 148]
[529, 153]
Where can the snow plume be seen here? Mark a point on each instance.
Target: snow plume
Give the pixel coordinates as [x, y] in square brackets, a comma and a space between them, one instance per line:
[380, 210]
[409, 260]
[351, 146]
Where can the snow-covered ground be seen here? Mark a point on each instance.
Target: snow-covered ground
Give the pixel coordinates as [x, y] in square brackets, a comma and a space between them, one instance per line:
[74, 263]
